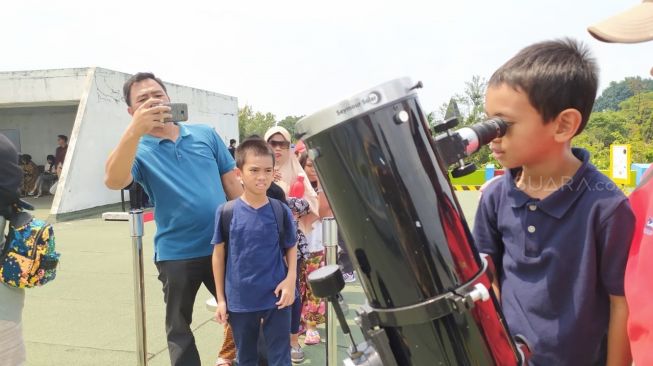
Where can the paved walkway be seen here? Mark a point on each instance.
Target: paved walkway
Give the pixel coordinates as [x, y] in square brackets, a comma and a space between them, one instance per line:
[86, 316]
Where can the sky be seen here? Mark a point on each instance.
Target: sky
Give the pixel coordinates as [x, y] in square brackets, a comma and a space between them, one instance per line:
[294, 58]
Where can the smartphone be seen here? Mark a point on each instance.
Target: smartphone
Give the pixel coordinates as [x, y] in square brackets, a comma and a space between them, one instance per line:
[179, 112]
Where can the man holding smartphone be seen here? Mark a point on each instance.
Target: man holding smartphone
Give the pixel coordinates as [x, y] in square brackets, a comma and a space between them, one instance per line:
[186, 170]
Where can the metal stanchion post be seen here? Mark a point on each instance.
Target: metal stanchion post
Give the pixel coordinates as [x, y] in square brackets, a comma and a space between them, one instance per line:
[136, 230]
[135, 218]
[330, 240]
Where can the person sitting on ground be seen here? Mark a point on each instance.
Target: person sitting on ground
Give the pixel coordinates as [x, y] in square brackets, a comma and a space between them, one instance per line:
[30, 174]
[53, 187]
[46, 179]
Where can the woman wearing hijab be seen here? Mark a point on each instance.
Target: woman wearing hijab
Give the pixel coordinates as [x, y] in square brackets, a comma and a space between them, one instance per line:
[287, 171]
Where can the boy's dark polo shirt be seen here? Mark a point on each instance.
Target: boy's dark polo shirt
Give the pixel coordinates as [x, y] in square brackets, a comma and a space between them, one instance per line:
[559, 260]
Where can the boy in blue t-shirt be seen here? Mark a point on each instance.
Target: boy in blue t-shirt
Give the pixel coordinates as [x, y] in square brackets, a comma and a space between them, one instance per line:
[556, 228]
[257, 286]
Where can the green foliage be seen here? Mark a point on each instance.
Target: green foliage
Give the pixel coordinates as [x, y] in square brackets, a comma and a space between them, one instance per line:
[617, 92]
[470, 105]
[639, 109]
[631, 124]
[471, 108]
[623, 115]
[253, 123]
[289, 124]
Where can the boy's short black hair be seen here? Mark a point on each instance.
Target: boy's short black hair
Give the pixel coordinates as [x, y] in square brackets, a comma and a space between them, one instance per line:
[232, 141]
[63, 137]
[127, 87]
[555, 75]
[256, 146]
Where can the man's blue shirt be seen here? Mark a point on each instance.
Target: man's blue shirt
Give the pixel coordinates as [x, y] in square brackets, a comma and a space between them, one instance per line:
[558, 260]
[183, 180]
[255, 263]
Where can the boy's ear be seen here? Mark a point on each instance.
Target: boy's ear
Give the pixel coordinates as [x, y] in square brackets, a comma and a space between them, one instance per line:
[567, 123]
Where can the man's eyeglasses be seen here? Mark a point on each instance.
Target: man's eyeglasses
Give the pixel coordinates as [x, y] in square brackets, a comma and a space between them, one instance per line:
[281, 144]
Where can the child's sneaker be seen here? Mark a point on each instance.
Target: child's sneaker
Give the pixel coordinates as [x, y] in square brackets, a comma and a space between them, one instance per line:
[349, 277]
[312, 337]
[296, 354]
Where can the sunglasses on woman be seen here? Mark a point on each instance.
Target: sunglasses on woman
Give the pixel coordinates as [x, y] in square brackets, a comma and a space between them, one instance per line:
[281, 144]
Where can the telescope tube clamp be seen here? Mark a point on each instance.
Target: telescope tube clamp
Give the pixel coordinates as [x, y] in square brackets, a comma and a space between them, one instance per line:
[459, 300]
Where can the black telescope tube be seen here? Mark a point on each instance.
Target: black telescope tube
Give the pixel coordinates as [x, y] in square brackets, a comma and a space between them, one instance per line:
[398, 215]
[389, 189]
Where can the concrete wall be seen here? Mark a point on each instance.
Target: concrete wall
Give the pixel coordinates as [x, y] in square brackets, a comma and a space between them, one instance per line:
[41, 87]
[38, 128]
[87, 104]
[217, 110]
[101, 119]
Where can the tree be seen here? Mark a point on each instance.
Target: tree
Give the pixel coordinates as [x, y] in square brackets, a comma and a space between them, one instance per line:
[474, 99]
[639, 109]
[623, 114]
[289, 124]
[253, 123]
[617, 92]
[631, 124]
[470, 105]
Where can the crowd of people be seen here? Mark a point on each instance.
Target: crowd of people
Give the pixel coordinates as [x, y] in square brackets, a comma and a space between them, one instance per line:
[261, 171]
[43, 180]
[260, 256]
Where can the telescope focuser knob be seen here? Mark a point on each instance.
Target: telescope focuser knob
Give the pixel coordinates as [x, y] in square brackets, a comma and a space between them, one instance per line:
[446, 125]
[463, 170]
[479, 292]
[326, 281]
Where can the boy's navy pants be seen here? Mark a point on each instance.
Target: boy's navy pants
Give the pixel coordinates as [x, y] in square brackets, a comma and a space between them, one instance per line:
[276, 330]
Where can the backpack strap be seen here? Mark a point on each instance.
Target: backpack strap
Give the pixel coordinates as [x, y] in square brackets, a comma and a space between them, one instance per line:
[228, 214]
[281, 219]
[7, 203]
[225, 222]
[17, 219]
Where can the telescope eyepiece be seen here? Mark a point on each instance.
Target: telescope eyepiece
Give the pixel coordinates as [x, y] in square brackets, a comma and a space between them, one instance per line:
[489, 130]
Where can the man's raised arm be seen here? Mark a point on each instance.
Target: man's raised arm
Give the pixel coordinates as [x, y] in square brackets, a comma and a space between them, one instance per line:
[148, 116]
